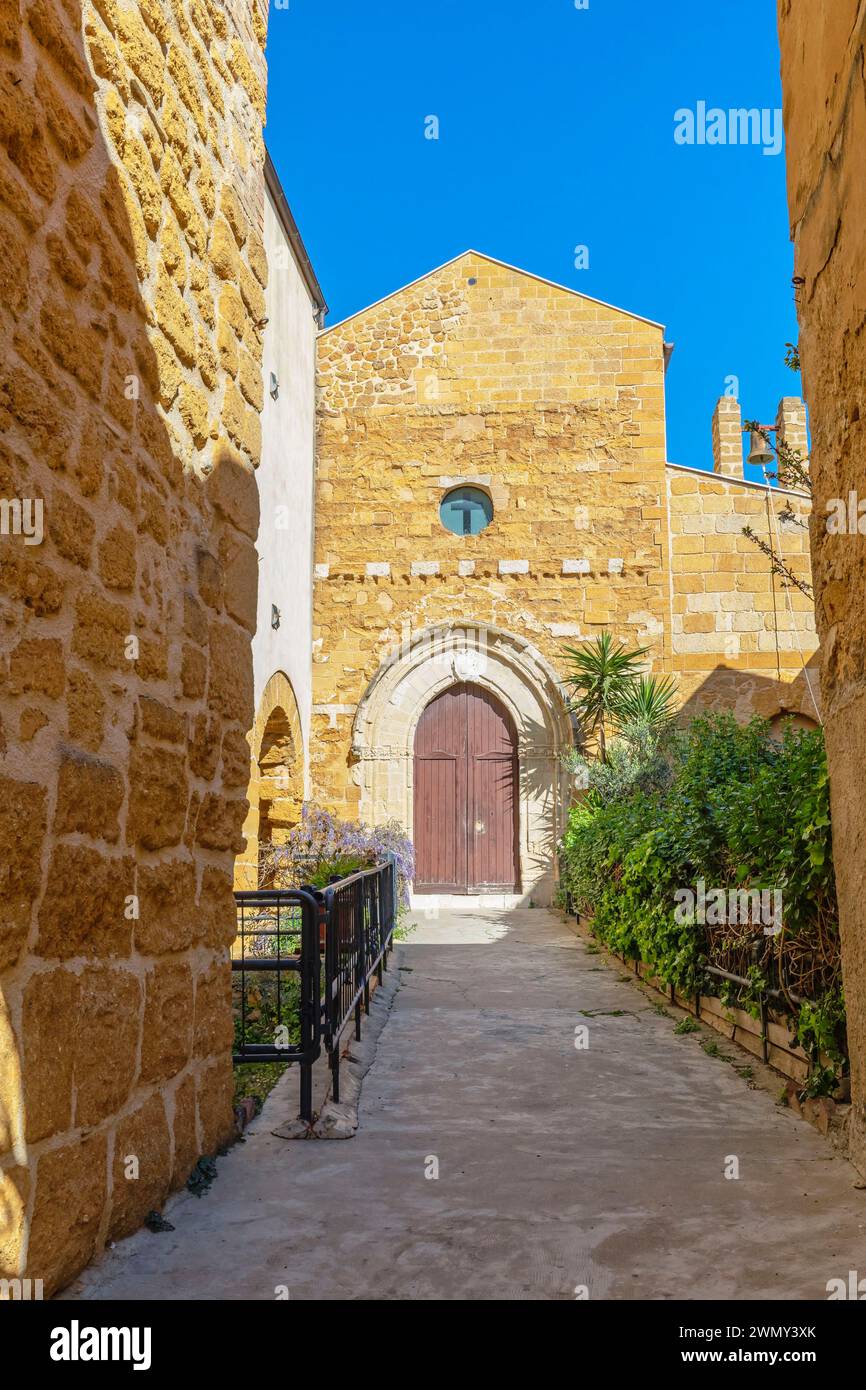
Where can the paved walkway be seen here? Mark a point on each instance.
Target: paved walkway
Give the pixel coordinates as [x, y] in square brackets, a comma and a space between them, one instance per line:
[557, 1167]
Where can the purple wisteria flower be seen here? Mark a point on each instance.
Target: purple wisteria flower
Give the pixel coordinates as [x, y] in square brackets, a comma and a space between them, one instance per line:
[321, 847]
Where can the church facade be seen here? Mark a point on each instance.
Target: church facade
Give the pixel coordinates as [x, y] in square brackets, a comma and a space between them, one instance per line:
[492, 487]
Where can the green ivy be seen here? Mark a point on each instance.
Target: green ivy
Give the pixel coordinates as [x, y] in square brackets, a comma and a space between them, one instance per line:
[821, 1027]
[740, 809]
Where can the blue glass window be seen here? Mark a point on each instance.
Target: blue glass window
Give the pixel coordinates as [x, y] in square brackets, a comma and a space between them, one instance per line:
[466, 511]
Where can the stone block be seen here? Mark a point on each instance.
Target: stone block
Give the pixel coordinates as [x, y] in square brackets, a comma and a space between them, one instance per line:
[216, 915]
[85, 710]
[214, 1096]
[160, 722]
[240, 564]
[214, 1028]
[89, 797]
[230, 686]
[194, 620]
[71, 1192]
[37, 666]
[101, 630]
[186, 1146]
[193, 672]
[14, 1193]
[84, 905]
[168, 1017]
[117, 559]
[141, 1176]
[235, 759]
[29, 584]
[219, 823]
[49, 1022]
[204, 746]
[173, 318]
[158, 796]
[22, 834]
[103, 1037]
[166, 901]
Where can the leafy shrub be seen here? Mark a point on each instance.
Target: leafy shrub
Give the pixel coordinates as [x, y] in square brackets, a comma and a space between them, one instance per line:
[635, 761]
[739, 810]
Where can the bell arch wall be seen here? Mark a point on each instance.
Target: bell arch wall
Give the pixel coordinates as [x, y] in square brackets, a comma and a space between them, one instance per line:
[383, 732]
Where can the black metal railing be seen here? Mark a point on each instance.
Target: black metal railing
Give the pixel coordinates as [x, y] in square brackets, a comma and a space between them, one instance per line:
[277, 981]
[359, 915]
[302, 966]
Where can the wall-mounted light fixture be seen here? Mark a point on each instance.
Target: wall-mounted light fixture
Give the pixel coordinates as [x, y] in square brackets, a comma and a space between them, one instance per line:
[275, 616]
[275, 386]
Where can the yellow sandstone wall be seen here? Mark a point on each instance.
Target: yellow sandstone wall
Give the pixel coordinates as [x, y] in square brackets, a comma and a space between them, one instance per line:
[131, 198]
[554, 404]
[551, 402]
[740, 637]
[823, 51]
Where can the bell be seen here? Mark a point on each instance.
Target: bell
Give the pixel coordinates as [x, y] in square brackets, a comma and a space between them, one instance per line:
[760, 451]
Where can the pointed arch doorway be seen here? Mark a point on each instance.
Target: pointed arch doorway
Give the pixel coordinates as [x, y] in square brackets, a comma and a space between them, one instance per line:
[466, 794]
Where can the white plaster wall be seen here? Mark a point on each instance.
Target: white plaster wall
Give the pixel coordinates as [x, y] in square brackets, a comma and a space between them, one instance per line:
[286, 478]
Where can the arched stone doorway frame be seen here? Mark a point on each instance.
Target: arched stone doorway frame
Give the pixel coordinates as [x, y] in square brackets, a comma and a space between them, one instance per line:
[278, 697]
[511, 668]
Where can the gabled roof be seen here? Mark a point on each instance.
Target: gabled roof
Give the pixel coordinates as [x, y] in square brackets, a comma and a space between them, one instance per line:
[516, 269]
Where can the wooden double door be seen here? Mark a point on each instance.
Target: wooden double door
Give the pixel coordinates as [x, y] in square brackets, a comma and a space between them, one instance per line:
[466, 794]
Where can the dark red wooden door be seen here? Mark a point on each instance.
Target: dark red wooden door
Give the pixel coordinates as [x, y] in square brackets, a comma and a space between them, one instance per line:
[465, 794]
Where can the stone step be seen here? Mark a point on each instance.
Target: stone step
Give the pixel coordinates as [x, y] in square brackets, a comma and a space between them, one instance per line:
[464, 902]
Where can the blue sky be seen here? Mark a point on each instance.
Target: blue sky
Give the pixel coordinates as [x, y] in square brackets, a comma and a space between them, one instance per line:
[556, 130]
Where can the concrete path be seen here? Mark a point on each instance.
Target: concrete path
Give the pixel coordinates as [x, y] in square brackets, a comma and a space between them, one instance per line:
[558, 1167]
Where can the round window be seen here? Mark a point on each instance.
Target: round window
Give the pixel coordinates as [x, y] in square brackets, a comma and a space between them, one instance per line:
[466, 511]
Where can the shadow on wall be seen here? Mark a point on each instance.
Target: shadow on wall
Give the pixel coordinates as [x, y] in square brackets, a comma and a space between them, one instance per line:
[545, 783]
[126, 668]
[746, 693]
[280, 788]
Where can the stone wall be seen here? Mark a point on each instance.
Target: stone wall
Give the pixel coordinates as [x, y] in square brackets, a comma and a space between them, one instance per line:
[740, 638]
[133, 272]
[554, 404]
[823, 50]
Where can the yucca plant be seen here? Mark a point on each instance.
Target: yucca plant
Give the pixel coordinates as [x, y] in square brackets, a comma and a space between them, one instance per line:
[650, 703]
[600, 673]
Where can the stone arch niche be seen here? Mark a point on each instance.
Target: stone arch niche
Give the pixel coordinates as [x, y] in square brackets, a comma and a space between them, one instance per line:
[383, 734]
[791, 719]
[277, 776]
